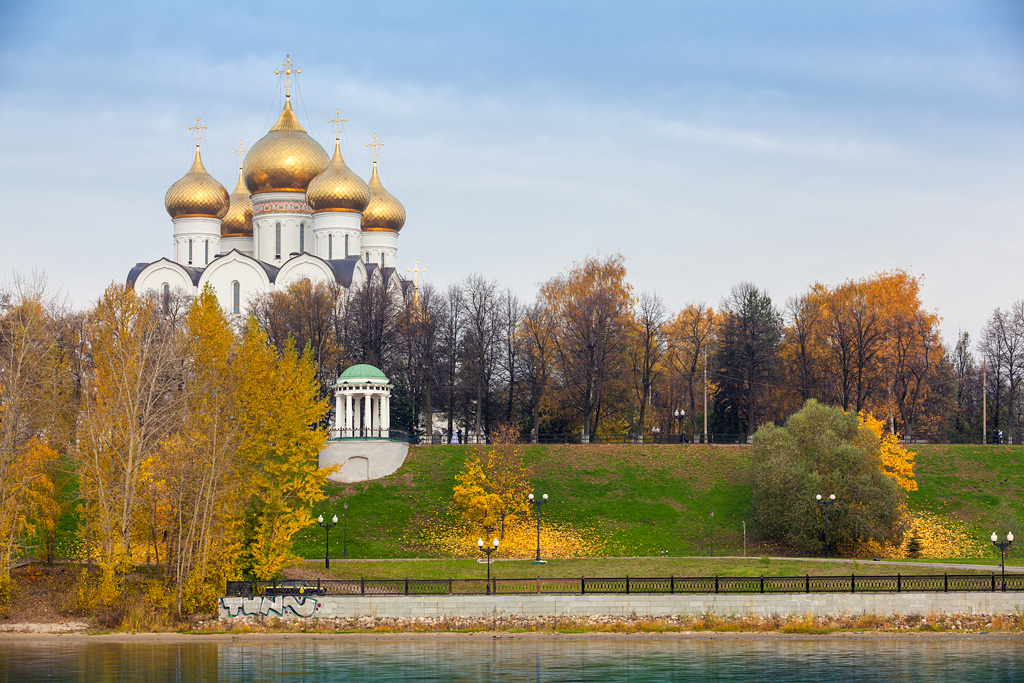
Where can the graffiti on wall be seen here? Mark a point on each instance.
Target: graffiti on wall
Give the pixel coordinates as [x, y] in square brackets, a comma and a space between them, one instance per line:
[277, 606]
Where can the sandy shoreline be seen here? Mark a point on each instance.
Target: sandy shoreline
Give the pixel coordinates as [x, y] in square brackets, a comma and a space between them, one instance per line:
[279, 638]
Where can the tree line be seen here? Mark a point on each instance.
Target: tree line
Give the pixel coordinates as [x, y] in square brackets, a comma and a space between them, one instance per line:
[590, 356]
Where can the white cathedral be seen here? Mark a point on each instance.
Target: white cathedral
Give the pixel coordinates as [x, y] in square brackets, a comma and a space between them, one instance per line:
[294, 215]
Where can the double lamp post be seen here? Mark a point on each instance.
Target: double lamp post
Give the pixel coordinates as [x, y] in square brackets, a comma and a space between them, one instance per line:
[330, 525]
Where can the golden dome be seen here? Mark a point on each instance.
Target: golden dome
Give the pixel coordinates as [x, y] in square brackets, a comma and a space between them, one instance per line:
[285, 159]
[384, 212]
[338, 188]
[196, 193]
[238, 220]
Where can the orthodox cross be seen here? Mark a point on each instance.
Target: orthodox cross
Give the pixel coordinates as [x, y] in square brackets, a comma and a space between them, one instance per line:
[198, 129]
[337, 121]
[287, 71]
[239, 152]
[375, 145]
[416, 273]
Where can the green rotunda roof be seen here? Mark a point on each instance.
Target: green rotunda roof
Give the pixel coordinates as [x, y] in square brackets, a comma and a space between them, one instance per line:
[362, 373]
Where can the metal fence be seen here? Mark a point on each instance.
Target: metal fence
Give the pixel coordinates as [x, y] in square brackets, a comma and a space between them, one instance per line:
[730, 439]
[896, 583]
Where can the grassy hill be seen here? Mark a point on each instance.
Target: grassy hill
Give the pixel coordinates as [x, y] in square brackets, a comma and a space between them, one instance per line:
[646, 499]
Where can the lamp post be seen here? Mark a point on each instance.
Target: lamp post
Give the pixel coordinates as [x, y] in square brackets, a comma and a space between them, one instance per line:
[487, 551]
[712, 533]
[1003, 547]
[826, 504]
[344, 528]
[679, 415]
[536, 503]
[327, 545]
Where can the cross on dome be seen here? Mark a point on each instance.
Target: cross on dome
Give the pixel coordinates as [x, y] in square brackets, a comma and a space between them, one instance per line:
[289, 69]
[416, 270]
[375, 145]
[198, 130]
[239, 152]
[337, 121]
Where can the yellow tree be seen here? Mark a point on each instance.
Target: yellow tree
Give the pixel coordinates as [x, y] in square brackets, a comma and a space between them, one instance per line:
[689, 336]
[493, 486]
[590, 306]
[130, 404]
[279, 441]
[897, 462]
[34, 383]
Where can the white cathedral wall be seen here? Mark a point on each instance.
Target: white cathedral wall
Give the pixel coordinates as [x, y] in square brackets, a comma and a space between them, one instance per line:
[156, 275]
[336, 225]
[377, 242]
[204, 235]
[242, 244]
[226, 271]
[300, 268]
[289, 209]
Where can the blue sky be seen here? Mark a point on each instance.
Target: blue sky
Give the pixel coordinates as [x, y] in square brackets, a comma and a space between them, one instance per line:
[710, 142]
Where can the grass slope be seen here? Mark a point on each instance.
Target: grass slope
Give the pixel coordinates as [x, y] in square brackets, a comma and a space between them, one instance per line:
[647, 499]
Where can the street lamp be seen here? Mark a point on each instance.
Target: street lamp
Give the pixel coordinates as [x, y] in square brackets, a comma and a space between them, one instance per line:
[327, 546]
[679, 415]
[344, 528]
[536, 503]
[1003, 547]
[487, 551]
[712, 533]
[826, 504]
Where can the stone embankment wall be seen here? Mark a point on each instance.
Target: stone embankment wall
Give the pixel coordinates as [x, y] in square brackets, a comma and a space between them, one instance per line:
[798, 604]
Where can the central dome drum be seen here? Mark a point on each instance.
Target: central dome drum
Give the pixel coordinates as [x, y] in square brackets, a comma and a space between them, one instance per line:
[286, 159]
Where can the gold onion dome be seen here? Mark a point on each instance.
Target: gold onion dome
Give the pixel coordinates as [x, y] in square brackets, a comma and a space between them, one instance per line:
[384, 212]
[286, 159]
[196, 193]
[338, 188]
[238, 220]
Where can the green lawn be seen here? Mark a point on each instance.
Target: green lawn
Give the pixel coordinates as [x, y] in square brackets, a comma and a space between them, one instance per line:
[611, 567]
[647, 499]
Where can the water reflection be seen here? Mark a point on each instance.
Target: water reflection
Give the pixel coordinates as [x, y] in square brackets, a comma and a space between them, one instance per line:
[499, 660]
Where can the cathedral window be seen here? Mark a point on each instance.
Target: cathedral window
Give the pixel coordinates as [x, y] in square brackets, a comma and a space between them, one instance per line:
[236, 297]
[167, 297]
[330, 246]
[302, 238]
[367, 257]
[346, 246]
[190, 252]
[206, 256]
[382, 259]
[277, 241]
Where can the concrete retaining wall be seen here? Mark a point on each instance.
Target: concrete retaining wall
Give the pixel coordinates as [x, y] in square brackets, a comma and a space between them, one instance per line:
[363, 460]
[817, 604]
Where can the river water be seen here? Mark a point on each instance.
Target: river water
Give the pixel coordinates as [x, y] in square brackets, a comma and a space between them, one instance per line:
[642, 659]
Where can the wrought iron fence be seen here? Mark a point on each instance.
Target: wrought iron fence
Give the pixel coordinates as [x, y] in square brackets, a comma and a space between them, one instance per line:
[640, 585]
[665, 438]
[368, 434]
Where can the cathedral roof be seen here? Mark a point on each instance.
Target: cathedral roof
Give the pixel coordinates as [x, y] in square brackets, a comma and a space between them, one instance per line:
[196, 193]
[238, 219]
[286, 159]
[384, 212]
[338, 188]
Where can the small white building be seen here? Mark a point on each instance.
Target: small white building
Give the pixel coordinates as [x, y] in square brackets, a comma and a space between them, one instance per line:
[362, 444]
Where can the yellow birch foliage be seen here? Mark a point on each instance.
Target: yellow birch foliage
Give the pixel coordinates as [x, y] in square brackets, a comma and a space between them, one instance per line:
[477, 505]
[897, 461]
[279, 440]
[493, 487]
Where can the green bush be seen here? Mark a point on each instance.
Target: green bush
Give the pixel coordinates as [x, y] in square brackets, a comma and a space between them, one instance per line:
[818, 452]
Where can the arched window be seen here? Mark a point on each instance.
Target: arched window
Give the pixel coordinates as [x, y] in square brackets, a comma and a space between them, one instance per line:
[190, 252]
[346, 246]
[302, 238]
[367, 257]
[236, 297]
[206, 256]
[330, 246]
[382, 259]
[277, 241]
[167, 297]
